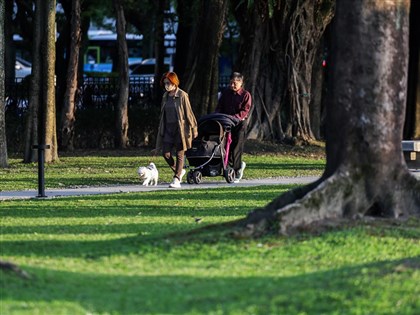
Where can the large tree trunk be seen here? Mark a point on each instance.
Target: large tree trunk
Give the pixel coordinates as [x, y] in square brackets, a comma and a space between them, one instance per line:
[68, 116]
[276, 55]
[51, 155]
[417, 104]
[3, 143]
[412, 117]
[121, 132]
[365, 173]
[203, 69]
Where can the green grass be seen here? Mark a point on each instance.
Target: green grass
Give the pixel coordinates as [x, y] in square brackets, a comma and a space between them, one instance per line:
[138, 253]
[141, 253]
[74, 171]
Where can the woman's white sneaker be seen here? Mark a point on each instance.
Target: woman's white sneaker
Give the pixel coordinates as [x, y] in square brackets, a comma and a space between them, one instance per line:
[240, 173]
[182, 174]
[175, 183]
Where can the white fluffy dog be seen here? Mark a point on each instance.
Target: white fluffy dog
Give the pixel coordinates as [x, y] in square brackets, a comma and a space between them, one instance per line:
[149, 173]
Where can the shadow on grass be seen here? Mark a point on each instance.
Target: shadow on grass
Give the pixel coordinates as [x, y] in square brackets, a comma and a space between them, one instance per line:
[86, 229]
[338, 291]
[155, 237]
[231, 201]
[160, 237]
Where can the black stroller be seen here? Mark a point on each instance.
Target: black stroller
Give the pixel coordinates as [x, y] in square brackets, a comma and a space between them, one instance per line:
[209, 153]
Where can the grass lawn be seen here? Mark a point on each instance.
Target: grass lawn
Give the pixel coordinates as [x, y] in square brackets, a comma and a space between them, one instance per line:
[141, 253]
[120, 168]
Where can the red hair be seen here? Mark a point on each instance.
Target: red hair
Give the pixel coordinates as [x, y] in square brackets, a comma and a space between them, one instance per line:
[171, 76]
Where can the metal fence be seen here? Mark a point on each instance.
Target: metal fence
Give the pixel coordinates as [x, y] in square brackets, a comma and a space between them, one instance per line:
[95, 92]
[103, 92]
[17, 96]
[96, 101]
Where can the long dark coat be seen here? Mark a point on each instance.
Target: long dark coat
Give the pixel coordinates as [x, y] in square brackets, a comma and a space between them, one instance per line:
[186, 119]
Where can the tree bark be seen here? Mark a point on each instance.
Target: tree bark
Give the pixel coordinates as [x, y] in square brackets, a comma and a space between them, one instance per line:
[259, 63]
[417, 104]
[3, 143]
[10, 50]
[365, 172]
[301, 52]
[121, 135]
[63, 52]
[68, 116]
[412, 117]
[51, 155]
[277, 52]
[316, 108]
[186, 11]
[35, 90]
[159, 48]
[202, 72]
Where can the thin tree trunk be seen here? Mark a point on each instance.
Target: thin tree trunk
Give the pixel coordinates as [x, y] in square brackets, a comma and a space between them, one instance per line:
[315, 108]
[68, 116]
[10, 49]
[63, 51]
[51, 155]
[159, 48]
[365, 173]
[3, 143]
[35, 90]
[186, 11]
[202, 80]
[121, 136]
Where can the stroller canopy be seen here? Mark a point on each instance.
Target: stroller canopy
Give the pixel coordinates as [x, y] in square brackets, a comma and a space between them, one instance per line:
[227, 121]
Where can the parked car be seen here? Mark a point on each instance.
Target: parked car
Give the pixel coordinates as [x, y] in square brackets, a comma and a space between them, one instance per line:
[146, 68]
[23, 68]
[133, 63]
[142, 77]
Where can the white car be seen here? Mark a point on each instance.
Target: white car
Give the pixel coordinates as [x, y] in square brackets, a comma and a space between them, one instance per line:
[146, 68]
[23, 68]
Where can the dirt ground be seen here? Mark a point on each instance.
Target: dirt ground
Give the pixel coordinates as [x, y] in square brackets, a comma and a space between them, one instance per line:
[255, 147]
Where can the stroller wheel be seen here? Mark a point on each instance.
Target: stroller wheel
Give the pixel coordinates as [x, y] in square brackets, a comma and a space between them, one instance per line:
[190, 177]
[229, 174]
[197, 177]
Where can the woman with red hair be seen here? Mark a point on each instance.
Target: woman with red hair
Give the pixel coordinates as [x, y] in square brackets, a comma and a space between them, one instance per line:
[177, 126]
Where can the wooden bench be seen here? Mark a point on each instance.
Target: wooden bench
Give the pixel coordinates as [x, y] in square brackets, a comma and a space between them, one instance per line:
[411, 149]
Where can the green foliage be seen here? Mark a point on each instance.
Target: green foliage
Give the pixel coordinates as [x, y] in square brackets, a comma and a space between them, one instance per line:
[139, 254]
[96, 10]
[269, 4]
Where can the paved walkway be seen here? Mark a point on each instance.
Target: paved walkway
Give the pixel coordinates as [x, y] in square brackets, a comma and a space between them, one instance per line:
[64, 192]
[51, 193]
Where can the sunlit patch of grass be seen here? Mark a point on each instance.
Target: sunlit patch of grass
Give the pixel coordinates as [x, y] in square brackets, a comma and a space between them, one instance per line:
[141, 253]
[77, 171]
